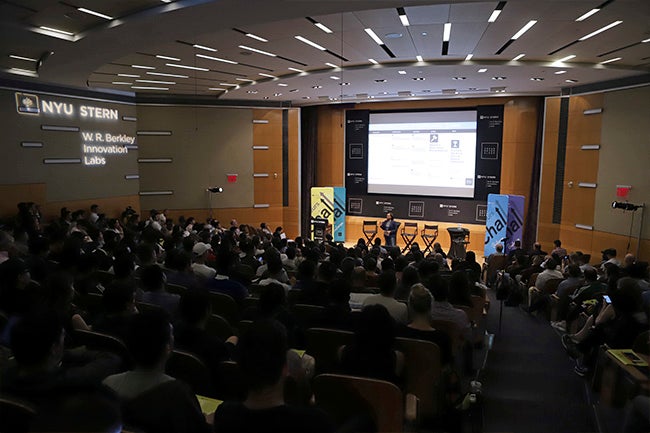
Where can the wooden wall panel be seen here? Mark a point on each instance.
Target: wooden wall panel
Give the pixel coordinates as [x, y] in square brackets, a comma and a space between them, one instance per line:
[330, 150]
[291, 213]
[545, 228]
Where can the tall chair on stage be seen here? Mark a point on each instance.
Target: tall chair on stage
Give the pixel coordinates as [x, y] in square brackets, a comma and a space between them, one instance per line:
[409, 232]
[429, 235]
[370, 230]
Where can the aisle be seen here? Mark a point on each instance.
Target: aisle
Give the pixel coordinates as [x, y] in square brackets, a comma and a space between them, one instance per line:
[528, 382]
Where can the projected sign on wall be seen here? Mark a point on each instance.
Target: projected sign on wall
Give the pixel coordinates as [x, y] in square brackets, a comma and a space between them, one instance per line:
[428, 164]
[96, 146]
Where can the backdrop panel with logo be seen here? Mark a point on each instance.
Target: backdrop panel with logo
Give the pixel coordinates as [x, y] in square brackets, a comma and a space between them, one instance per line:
[505, 221]
[402, 182]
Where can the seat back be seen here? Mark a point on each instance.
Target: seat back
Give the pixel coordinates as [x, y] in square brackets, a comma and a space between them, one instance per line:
[323, 344]
[422, 373]
[232, 382]
[224, 306]
[219, 327]
[369, 226]
[103, 343]
[176, 289]
[451, 329]
[308, 316]
[642, 343]
[497, 263]
[145, 306]
[243, 326]
[16, 415]
[190, 369]
[551, 285]
[343, 397]
[475, 313]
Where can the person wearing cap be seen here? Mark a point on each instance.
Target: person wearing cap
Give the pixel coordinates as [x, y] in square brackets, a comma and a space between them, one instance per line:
[609, 256]
[199, 254]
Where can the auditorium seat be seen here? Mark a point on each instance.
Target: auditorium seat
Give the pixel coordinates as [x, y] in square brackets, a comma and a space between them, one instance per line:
[224, 306]
[16, 414]
[190, 369]
[219, 327]
[323, 344]
[102, 342]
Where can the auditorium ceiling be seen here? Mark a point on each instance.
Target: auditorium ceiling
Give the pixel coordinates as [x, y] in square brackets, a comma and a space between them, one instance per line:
[308, 52]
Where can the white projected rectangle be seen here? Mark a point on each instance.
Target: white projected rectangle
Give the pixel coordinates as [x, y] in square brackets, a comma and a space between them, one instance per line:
[422, 153]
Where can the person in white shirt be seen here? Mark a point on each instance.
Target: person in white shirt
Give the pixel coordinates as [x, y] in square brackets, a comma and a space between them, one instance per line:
[94, 213]
[387, 284]
[200, 253]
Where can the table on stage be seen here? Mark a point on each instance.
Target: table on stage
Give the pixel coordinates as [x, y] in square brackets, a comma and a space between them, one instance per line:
[459, 237]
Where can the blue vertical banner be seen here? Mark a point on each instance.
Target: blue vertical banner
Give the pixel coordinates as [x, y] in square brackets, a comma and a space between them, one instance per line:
[339, 214]
[515, 221]
[496, 223]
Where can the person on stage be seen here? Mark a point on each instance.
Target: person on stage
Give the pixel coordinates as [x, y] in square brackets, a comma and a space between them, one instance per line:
[389, 226]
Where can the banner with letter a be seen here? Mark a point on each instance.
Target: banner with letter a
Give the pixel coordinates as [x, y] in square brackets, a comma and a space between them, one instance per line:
[329, 203]
[504, 223]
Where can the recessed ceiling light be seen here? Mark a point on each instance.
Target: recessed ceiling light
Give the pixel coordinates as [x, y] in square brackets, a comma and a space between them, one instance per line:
[129, 75]
[384, 93]
[401, 72]
[296, 70]
[255, 50]
[252, 92]
[25, 72]
[216, 88]
[267, 75]
[331, 65]
[426, 91]
[469, 57]
[446, 32]
[306, 97]
[497, 11]
[402, 17]
[161, 74]
[95, 13]
[499, 78]
[480, 71]
[282, 84]
[611, 60]
[63, 32]
[418, 58]
[645, 41]
[217, 59]
[142, 67]
[294, 90]
[316, 87]
[571, 81]
[258, 38]
[560, 72]
[536, 79]
[373, 61]
[155, 82]
[321, 26]
[588, 14]
[459, 78]
[266, 97]
[418, 79]
[334, 77]
[277, 94]
[310, 43]
[194, 68]
[600, 30]
[564, 59]
[344, 84]
[149, 88]
[122, 83]
[245, 79]
[523, 30]
[28, 59]
[519, 56]
[380, 81]
[203, 47]
[424, 34]
[374, 36]
[173, 59]
[229, 84]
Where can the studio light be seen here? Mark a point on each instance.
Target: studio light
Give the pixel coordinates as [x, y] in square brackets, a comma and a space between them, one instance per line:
[215, 189]
[625, 205]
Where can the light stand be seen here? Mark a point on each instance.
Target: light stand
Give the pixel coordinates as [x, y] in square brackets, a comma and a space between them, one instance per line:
[626, 206]
[210, 191]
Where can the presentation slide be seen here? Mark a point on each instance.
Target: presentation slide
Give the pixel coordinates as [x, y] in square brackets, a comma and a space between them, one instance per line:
[422, 153]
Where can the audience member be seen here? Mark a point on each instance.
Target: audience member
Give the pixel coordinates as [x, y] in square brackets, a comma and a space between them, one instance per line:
[386, 298]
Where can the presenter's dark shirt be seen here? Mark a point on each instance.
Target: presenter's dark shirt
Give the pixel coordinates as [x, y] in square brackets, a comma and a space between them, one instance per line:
[234, 417]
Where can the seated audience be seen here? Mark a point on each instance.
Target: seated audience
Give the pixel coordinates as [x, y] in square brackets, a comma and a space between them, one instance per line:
[263, 360]
[442, 308]
[200, 252]
[386, 298]
[153, 281]
[151, 400]
[459, 289]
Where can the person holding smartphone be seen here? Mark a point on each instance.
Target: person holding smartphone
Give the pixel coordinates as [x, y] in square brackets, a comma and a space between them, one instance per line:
[619, 321]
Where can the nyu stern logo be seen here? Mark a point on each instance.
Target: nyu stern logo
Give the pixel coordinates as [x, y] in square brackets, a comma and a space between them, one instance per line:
[27, 103]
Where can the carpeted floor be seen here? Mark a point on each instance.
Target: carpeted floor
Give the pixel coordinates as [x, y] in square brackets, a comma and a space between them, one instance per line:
[528, 382]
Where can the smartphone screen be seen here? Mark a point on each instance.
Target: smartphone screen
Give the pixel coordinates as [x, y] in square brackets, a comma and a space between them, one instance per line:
[607, 299]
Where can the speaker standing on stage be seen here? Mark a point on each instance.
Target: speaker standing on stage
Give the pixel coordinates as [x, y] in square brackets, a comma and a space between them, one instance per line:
[389, 226]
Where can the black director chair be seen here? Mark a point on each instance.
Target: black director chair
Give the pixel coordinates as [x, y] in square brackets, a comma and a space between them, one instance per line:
[370, 230]
[409, 233]
[429, 235]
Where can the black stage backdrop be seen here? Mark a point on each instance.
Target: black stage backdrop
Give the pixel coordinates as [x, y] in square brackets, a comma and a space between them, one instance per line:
[489, 133]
